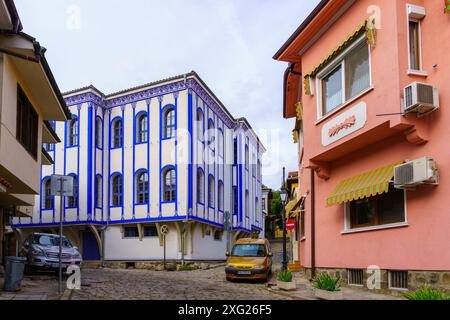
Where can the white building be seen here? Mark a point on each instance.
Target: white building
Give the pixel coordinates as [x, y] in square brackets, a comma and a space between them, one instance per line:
[158, 154]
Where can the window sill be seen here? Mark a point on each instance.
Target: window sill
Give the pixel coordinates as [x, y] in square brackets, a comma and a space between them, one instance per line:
[375, 228]
[418, 73]
[349, 102]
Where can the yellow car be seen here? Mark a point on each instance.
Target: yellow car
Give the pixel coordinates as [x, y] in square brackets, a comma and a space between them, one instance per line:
[249, 259]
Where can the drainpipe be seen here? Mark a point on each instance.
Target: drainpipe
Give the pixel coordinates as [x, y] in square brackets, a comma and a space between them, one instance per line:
[313, 226]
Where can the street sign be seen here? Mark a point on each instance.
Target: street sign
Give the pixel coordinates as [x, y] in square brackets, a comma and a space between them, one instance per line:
[164, 230]
[290, 224]
[61, 185]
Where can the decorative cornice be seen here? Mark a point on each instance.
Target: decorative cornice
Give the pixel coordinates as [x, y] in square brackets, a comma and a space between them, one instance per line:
[87, 97]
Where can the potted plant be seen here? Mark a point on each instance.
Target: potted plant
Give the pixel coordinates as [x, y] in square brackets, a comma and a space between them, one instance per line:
[327, 287]
[285, 282]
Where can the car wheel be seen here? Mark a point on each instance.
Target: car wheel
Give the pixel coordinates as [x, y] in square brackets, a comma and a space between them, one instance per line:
[229, 279]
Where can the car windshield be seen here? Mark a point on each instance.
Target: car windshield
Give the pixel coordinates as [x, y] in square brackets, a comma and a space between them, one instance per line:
[49, 241]
[249, 250]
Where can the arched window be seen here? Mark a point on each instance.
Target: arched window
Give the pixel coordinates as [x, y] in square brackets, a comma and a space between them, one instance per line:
[259, 170]
[211, 134]
[200, 186]
[247, 156]
[142, 128]
[72, 202]
[117, 133]
[142, 187]
[47, 199]
[200, 125]
[169, 185]
[220, 142]
[98, 191]
[72, 133]
[169, 123]
[247, 204]
[211, 193]
[116, 190]
[221, 195]
[98, 132]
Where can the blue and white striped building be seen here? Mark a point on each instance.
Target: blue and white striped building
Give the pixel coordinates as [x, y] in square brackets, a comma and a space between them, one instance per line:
[154, 155]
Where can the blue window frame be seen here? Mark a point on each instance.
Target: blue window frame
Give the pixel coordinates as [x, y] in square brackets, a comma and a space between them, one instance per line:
[72, 202]
[200, 125]
[116, 190]
[142, 193]
[150, 231]
[49, 146]
[99, 133]
[211, 191]
[221, 195]
[141, 128]
[72, 132]
[98, 191]
[169, 123]
[200, 186]
[47, 198]
[247, 156]
[211, 134]
[169, 185]
[130, 232]
[117, 133]
[235, 200]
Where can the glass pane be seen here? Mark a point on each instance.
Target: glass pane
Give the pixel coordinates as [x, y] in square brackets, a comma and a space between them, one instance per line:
[332, 90]
[391, 206]
[362, 212]
[414, 45]
[357, 71]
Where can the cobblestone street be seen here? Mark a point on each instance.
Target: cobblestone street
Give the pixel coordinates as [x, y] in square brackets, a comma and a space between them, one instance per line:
[99, 284]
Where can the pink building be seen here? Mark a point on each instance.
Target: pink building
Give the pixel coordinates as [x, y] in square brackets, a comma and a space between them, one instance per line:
[368, 83]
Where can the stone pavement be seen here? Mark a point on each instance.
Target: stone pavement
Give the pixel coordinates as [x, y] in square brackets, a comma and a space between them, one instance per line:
[35, 287]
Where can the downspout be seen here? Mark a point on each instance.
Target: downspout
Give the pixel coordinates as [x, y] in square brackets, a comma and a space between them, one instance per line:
[313, 226]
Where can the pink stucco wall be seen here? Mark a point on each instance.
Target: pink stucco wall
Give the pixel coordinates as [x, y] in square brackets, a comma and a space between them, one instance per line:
[424, 243]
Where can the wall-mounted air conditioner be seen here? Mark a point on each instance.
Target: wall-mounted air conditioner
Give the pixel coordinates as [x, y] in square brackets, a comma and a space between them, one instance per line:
[421, 98]
[417, 172]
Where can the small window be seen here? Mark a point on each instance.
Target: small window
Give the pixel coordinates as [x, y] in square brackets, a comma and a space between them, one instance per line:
[235, 200]
[414, 45]
[355, 277]
[142, 128]
[130, 232]
[49, 146]
[247, 204]
[72, 202]
[142, 187]
[221, 195]
[169, 185]
[116, 190]
[247, 156]
[218, 235]
[387, 208]
[27, 123]
[200, 125]
[98, 133]
[211, 135]
[48, 199]
[72, 134]
[117, 133]
[211, 193]
[398, 280]
[220, 145]
[200, 186]
[235, 152]
[98, 191]
[150, 231]
[169, 123]
[345, 79]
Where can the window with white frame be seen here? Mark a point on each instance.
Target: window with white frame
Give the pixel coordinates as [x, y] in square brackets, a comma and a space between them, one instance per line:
[221, 195]
[385, 209]
[200, 125]
[415, 16]
[345, 78]
[200, 186]
[98, 132]
[211, 191]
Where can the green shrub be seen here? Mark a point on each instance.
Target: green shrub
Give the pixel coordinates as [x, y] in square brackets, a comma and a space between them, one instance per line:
[326, 282]
[426, 293]
[285, 276]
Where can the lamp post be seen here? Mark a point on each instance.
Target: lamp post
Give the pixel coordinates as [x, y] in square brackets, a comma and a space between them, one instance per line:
[283, 195]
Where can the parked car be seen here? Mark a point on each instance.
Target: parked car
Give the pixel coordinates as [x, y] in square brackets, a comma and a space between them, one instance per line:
[249, 259]
[42, 252]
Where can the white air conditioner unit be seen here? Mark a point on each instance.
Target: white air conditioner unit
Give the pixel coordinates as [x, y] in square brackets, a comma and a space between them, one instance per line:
[421, 98]
[417, 172]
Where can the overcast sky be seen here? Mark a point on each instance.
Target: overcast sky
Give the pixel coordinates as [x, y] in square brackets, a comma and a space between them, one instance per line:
[118, 44]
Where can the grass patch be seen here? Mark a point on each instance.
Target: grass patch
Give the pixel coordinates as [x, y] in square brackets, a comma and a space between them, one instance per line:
[426, 293]
[326, 282]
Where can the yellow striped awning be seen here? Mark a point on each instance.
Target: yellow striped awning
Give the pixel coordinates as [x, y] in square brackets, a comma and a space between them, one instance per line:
[291, 205]
[366, 185]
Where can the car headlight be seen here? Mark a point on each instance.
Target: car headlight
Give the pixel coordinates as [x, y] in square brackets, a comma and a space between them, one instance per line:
[259, 267]
[76, 256]
[37, 252]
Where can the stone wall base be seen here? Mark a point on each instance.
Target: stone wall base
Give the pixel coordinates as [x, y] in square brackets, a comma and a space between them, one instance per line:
[153, 265]
[416, 279]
